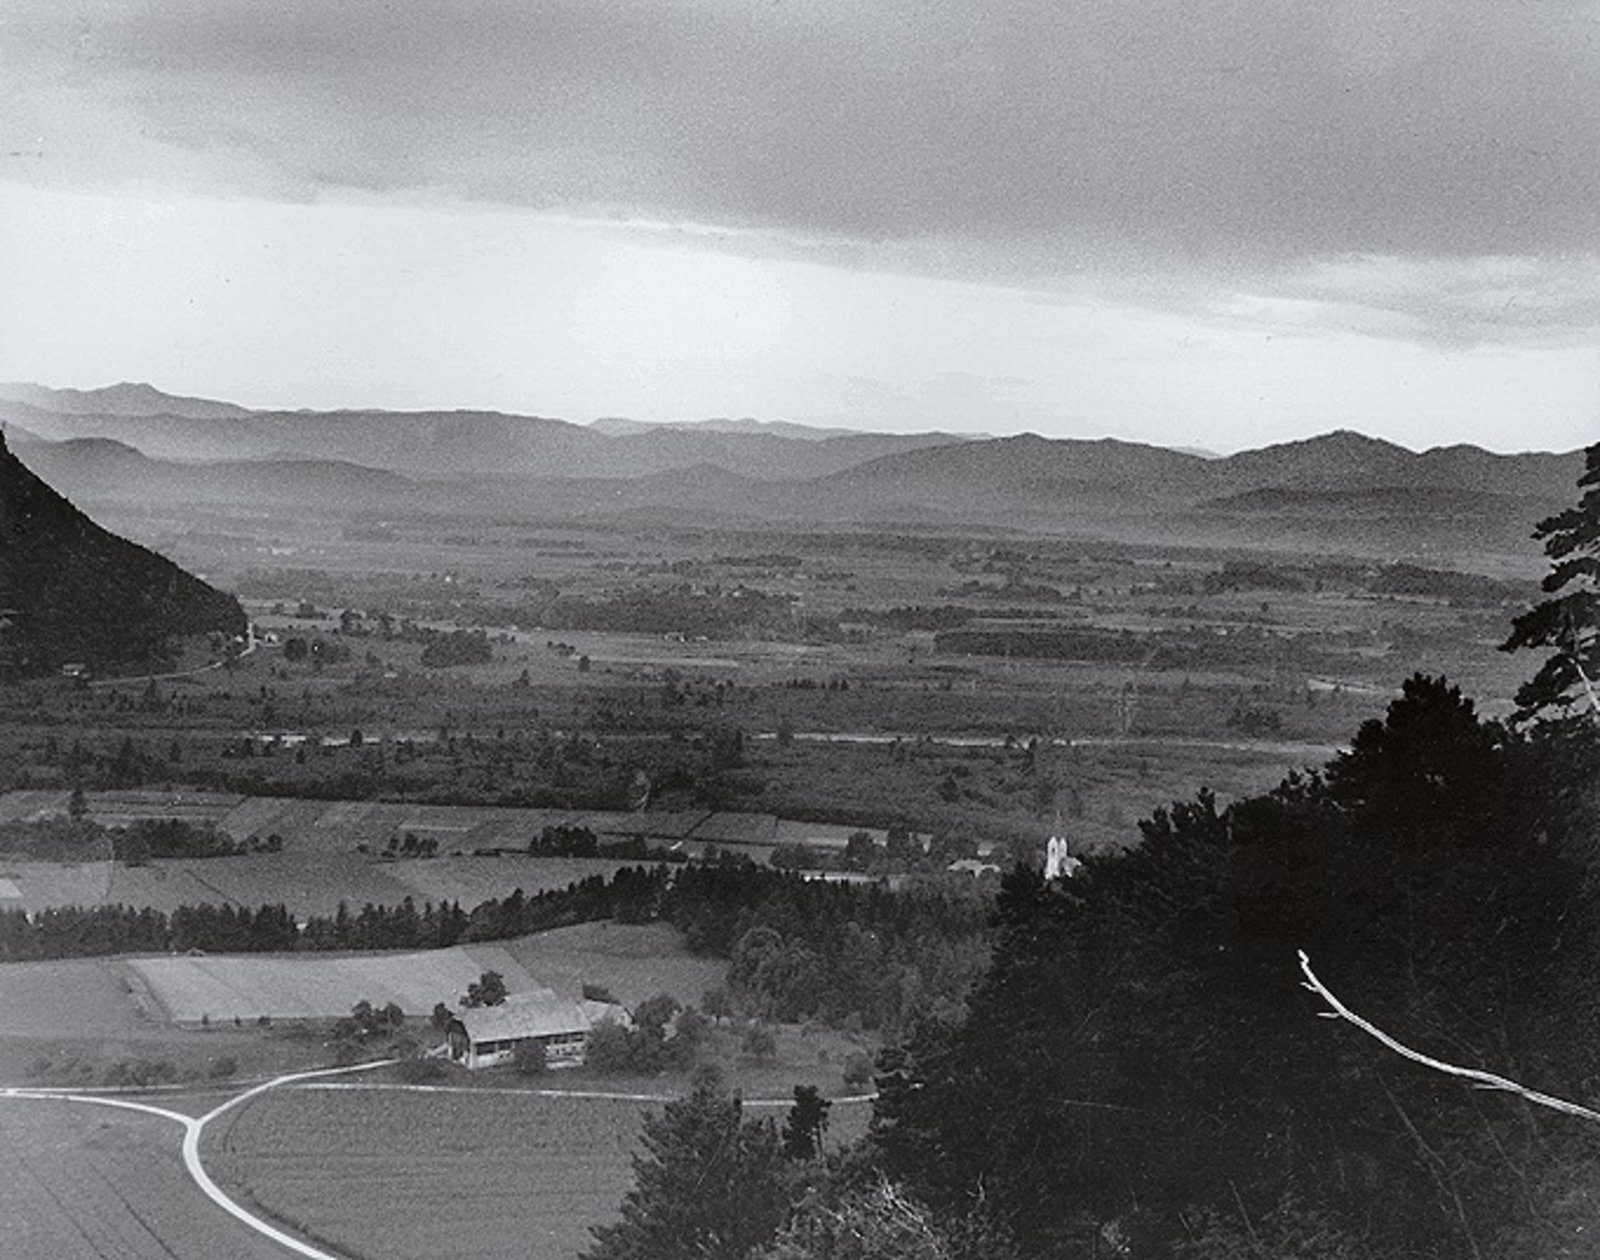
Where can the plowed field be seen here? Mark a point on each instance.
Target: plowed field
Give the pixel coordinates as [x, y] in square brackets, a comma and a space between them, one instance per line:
[79, 1183]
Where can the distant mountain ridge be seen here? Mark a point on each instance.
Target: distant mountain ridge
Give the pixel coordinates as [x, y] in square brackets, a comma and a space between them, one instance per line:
[77, 592]
[128, 398]
[1338, 489]
[621, 426]
[439, 443]
[103, 468]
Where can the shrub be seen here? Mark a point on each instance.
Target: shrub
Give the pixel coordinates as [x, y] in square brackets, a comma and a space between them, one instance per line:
[857, 1071]
[759, 1042]
[691, 1032]
[221, 1069]
[610, 1048]
[139, 1073]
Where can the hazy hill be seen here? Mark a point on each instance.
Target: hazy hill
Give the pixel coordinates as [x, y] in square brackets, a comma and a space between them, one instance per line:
[126, 399]
[425, 442]
[1340, 460]
[1336, 462]
[439, 443]
[1338, 490]
[83, 593]
[621, 426]
[1346, 461]
[1029, 464]
[102, 469]
[769, 456]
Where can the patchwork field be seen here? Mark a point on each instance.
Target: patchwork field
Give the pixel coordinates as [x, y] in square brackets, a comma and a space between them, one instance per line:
[634, 961]
[471, 880]
[114, 998]
[35, 886]
[338, 827]
[222, 987]
[85, 1183]
[71, 1021]
[400, 1175]
[403, 1174]
[308, 883]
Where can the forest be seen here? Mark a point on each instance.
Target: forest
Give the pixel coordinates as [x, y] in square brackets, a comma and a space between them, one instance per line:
[1142, 1070]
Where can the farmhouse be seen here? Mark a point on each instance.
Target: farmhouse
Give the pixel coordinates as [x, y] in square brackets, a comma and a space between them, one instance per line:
[483, 1036]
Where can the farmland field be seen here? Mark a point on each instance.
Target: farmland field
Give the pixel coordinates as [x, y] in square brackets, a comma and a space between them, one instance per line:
[634, 961]
[75, 997]
[80, 1182]
[220, 987]
[406, 1174]
[308, 883]
[78, 1017]
[402, 1175]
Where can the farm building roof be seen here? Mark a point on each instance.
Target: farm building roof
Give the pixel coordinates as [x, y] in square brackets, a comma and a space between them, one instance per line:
[538, 1014]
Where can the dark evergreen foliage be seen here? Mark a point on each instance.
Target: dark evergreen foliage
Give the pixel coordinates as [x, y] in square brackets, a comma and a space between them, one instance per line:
[709, 1185]
[805, 1124]
[1568, 623]
[1142, 1052]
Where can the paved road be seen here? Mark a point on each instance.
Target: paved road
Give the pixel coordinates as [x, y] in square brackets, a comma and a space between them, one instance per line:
[194, 1128]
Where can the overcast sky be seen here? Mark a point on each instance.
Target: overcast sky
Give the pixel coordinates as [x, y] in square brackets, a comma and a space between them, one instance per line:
[1214, 223]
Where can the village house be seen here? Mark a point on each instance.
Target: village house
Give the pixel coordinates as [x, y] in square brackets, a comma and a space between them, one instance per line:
[484, 1036]
[973, 867]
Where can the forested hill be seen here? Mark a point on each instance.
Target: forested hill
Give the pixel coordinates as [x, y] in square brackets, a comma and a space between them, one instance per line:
[83, 594]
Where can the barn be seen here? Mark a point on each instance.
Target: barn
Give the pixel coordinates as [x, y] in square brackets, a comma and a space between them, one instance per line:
[483, 1036]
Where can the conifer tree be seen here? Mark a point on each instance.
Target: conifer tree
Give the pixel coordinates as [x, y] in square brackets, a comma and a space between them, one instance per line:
[709, 1185]
[1568, 623]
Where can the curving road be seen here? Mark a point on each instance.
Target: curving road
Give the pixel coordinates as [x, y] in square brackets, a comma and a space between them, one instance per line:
[194, 1128]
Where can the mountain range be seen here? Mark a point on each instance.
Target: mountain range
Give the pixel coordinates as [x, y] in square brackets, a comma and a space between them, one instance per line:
[130, 442]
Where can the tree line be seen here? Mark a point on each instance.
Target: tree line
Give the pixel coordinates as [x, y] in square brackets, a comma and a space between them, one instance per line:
[1142, 1071]
[801, 949]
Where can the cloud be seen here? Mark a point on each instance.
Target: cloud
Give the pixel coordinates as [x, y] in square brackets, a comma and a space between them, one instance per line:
[1465, 301]
[1216, 131]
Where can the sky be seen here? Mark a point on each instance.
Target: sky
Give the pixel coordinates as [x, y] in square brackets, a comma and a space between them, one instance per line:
[1214, 223]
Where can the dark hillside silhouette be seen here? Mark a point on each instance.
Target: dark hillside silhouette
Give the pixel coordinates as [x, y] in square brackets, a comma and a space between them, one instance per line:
[81, 594]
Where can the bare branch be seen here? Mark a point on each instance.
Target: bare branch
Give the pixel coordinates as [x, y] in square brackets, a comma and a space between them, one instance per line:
[1577, 663]
[1482, 1080]
[1594, 700]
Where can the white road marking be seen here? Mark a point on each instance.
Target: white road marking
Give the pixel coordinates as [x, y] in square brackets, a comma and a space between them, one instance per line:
[194, 1127]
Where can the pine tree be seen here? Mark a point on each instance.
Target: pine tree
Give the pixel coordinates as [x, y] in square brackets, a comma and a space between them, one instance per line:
[806, 1123]
[709, 1185]
[1569, 622]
